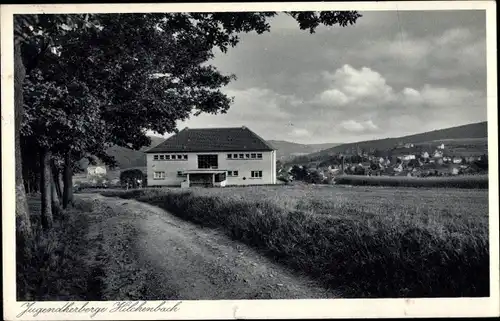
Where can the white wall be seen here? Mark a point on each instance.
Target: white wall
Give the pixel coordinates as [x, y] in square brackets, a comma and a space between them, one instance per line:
[244, 167]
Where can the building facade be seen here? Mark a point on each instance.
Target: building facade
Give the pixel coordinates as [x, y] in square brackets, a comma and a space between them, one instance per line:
[212, 157]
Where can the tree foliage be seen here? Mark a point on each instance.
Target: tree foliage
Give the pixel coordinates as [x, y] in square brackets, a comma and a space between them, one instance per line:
[110, 60]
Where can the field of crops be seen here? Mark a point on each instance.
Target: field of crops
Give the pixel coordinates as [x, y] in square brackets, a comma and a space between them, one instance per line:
[364, 241]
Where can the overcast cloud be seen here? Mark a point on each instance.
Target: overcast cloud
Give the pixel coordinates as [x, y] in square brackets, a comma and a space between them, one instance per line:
[389, 75]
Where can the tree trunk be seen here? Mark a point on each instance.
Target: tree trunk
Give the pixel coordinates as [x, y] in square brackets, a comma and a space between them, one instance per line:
[68, 181]
[57, 179]
[56, 204]
[46, 189]
[23, 224]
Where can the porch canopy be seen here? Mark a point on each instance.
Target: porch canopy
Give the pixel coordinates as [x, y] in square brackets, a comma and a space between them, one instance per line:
[205, 177]
[204, 171]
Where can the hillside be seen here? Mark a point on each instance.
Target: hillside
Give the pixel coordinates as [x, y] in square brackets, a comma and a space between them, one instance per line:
[126, 157]
[471, 138]
[287, 150]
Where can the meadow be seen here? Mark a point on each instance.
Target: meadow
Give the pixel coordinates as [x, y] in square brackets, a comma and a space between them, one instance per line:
[367, 242]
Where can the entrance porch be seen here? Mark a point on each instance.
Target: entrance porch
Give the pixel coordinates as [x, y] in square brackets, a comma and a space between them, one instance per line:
[205, 178]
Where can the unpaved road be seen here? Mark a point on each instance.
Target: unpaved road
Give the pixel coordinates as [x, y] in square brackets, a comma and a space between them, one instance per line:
[151, 254]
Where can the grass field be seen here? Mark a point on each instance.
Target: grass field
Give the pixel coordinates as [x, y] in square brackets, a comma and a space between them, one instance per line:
[364, 241]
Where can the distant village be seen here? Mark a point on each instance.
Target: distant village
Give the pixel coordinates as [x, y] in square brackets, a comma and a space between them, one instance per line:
[404, 159]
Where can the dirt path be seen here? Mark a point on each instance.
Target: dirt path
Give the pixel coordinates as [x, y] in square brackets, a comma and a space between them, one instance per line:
[175, 259]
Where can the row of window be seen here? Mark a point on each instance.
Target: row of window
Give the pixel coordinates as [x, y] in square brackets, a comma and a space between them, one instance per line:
[245, 156]
[170, 157]
[253, 174]
[229, 156]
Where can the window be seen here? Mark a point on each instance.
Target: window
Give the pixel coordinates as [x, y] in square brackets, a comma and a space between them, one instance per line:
[185, 157]
[159, 175]
[235, 155]
[256, 174]
[179, 156]
[235, 173]
[229, 156]
[155, 157]
[162, 157]
[259, 156]
[232, 173]
[181, 174]
[247, 155]
[254, 155]
[208, 161]
[242, 155]
[167, 157]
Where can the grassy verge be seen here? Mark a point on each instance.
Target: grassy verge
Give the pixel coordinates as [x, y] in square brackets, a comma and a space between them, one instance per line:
[384, 254]
[476, 181]
[59, 264]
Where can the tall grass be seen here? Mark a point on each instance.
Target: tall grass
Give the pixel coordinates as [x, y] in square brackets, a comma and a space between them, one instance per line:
[407, 252]
[473, 181]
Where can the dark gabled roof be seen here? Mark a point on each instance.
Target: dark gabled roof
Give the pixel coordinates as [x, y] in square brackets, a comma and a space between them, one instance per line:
[213, 140]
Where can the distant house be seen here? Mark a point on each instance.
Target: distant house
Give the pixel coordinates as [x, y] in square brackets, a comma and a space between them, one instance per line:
[441, 146]
[409, 145]
[457, 160]
[470, 159]
[425, 155]
[398, 168]
[212, 157]
[438, 154]
[408, 157]
[96, 170]
[455, 170]
[447, 159]
[381, 160]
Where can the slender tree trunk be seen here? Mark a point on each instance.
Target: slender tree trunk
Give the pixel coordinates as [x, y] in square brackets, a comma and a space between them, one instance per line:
[68, 181]
[57, 179]
[56, 204]
[23, 224]
[46, 189]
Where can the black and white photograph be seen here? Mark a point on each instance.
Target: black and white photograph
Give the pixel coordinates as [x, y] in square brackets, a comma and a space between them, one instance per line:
[156, 158]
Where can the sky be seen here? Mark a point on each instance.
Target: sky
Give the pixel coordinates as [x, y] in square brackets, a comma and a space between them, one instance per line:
[391, 74]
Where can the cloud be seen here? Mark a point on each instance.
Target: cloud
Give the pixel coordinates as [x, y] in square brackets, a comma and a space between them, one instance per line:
[300, 133]
[356, 88]
[355, 126]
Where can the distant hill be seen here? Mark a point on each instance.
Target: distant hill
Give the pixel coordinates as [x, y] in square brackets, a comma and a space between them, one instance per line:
[126, 157]
[470, 138]
[287, 150]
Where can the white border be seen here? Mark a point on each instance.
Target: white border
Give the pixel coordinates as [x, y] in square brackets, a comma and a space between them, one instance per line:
[256, 309]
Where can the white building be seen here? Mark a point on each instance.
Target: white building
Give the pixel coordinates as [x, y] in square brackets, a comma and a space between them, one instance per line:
[408, 157]
[96, 170]
[212, 157]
